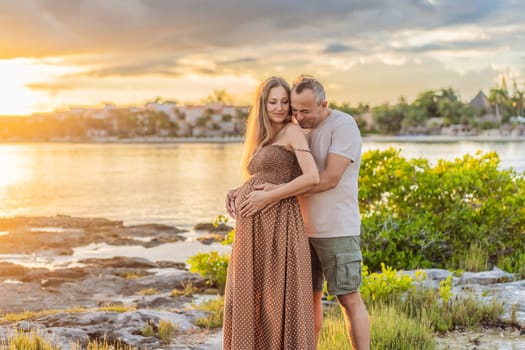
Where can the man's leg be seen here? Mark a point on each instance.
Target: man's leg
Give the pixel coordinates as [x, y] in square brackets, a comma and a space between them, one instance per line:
[340, 258]
[357, 320]
[318, 315]
[317, 284]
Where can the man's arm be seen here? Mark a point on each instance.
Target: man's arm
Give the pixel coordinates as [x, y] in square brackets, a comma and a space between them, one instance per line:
[330, 176]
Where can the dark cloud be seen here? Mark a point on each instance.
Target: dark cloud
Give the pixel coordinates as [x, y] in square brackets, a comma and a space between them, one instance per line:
[162, 67]
[337, 48]
[449, 46]
[240, 61]
[57, 27]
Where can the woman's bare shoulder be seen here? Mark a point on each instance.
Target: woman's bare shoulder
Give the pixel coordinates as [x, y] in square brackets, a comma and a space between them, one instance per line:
[295, 136]
[293, 128]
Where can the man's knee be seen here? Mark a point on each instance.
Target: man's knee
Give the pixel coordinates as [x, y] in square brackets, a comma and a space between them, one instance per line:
[350, 301]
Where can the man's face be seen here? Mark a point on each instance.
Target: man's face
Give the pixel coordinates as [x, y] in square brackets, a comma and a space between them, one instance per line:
[307, 112]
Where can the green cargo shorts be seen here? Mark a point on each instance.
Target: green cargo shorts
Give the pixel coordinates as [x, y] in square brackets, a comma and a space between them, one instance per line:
[338, 260]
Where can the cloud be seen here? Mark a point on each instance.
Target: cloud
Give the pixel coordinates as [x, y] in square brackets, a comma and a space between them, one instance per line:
[337, 48]
[52, 86]
[35, 28]
[340, 40]
[161, 67]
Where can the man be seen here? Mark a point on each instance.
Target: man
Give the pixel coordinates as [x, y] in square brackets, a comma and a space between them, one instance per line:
[330, 209]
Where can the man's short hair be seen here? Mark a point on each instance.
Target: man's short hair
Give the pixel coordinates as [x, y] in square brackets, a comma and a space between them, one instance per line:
[304, 82]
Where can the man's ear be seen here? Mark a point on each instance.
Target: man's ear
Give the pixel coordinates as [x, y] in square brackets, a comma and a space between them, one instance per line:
[324, 104]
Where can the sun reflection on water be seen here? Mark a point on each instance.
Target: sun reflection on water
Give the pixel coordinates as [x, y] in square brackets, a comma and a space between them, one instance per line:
[12, 169]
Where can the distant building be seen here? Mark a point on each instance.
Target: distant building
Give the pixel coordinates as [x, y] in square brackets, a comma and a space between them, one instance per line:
[168, 107]
[458, 130]
[480, 101]
[435, 122]
[368, 119]
[193, 113]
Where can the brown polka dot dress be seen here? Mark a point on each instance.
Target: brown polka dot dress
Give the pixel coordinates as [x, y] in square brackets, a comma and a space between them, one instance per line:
[268, 297]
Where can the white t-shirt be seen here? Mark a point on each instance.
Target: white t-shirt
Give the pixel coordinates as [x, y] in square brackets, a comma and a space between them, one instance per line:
[335, 212]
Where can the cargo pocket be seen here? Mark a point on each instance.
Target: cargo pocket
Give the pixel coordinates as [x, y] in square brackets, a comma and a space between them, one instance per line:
[348, 274]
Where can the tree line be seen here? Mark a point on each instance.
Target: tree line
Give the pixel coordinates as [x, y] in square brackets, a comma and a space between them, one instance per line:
[392, 119]
[444, 104]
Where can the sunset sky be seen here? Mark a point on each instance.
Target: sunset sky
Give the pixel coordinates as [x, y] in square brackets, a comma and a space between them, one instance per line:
[60, 53]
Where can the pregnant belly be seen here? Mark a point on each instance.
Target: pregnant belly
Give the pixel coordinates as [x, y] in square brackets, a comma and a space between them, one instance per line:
[245, 190]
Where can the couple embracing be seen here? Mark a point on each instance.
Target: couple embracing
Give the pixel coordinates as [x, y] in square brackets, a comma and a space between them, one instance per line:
[297, 222]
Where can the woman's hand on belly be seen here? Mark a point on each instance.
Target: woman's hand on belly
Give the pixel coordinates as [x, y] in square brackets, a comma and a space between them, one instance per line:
[255, 201]
[230, 202]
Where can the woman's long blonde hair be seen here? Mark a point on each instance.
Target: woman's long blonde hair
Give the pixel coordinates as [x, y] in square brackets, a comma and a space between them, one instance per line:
[258, 128]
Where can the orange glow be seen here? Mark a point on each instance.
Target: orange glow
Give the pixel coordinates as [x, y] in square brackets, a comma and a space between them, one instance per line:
[16, 98]
[11, 168]
[16, 74]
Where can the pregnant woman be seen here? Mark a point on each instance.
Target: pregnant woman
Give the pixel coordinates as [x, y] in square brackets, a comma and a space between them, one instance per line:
[268, 297]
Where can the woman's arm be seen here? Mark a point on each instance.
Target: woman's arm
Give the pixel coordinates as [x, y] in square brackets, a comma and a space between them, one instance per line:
[294, 138]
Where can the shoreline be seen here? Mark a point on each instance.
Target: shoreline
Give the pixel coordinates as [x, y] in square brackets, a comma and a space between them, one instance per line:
[227, 140]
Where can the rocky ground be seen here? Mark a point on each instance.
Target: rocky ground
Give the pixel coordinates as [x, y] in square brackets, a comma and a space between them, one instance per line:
[93, 284]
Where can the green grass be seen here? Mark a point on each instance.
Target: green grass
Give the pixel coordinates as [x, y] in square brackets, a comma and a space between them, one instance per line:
[188, 289]
[394, 330]
[390, 329]
[215, 309]
[148, 291]
[166, 331]
[116, 308]
[333, 334]
[132, 274]
[29, 315]
[465, 312]
[102, 344]
[148, 330]
[475, 259]
[27, 341]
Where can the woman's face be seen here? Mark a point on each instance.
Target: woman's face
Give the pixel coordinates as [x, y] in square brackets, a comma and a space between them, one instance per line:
[278, 104]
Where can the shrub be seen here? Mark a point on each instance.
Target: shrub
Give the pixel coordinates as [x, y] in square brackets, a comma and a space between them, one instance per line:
[212, 266]
[415, 215]
[222, 219]
[385, 285]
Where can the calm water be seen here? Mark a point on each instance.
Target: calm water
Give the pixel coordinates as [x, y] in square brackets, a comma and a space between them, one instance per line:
[178, 184]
